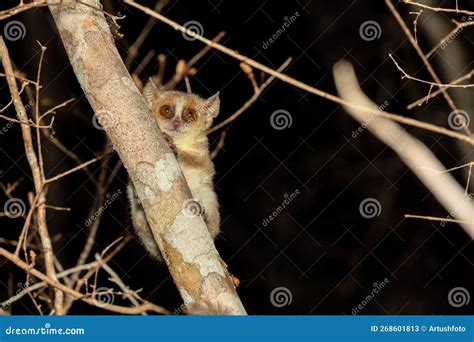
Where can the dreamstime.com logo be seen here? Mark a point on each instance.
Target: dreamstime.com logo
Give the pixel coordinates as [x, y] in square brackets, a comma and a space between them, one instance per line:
[458, 119]
[369, 120]
[104, 119]
[14, 208]
[459, 296]
[281, 119]
[370, 30]
[280, 297]
[287, 22]
[454, 212]
[46, 330]
[195, 27]
[103, 296]
[377, 287]
[370, 208]
[14, 30]
[110, 198]
[287, 199]
[10, 124]
[20, 288]
[192, 208]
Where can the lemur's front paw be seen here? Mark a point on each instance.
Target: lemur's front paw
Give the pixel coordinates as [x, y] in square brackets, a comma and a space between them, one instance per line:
[171, 144]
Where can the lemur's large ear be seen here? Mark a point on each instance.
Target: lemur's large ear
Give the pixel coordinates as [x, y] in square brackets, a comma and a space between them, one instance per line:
[213, 105]
[150, 90]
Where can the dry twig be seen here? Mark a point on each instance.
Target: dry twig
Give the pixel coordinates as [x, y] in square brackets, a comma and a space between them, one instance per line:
[413, 152]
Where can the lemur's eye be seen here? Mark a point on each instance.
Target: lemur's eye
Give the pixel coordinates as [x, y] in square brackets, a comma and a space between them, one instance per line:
[189, 115]
[166, 111]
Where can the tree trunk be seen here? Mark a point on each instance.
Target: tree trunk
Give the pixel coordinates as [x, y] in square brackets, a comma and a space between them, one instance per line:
[184, 241]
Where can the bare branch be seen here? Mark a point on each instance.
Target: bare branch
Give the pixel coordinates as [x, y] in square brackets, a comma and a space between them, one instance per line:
[413, 152]
[74, 169]
[439, 9]
[437, 92]
[440, 85]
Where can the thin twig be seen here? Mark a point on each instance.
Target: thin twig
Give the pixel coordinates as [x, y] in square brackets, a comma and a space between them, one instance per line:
[438, 91]
[440, 85]
[21, 8]
[37, 111]
[74, 169]
[439, 9]
[219, 146]
[434, 218]
[415, 23]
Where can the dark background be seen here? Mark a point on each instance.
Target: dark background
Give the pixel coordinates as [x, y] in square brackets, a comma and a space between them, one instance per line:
[320, 247]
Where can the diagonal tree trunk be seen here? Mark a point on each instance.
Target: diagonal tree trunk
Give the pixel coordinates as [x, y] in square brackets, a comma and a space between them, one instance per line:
[184, 241]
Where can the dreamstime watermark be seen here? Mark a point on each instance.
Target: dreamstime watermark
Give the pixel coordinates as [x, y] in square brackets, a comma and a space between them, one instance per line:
[104, 119]
[14, 30]
[377, 287]
[46, 330]
[459, 296]
[110, 198]
[457, 32]
[287, 22]
[180, 310]
[448, 40]
[288, 198]
[452, 214]
[370, 208]
[368, 121]
[20, 288]
[370, 30]
[280, 297]
[193, 26]
[5, 128]
[281, 119]
[103, 296]
[192, 208]
[10, 124]
[14, 208]
[458, 119]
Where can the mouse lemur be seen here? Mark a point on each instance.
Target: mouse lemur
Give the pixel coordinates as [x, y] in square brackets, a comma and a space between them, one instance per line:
[184, 120]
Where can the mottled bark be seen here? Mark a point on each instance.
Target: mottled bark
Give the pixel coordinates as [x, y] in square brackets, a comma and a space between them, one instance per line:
[184, 240]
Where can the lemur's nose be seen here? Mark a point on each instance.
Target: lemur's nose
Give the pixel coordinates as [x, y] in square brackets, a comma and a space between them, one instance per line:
[175, 124]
